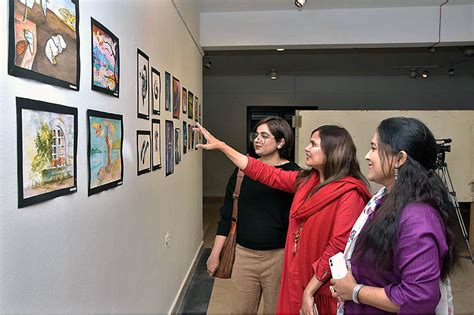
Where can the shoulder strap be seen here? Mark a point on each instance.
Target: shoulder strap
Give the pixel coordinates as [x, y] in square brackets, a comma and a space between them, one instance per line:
[235, 209]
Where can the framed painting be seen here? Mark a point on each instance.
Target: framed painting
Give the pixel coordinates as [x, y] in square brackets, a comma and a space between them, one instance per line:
[196, 109]
[143, 152]
[44, 41]
[167, 91]
[143, 99]
[184, 99]
[105, 60]
[177, 145]
[156, 91]
[190, 105]
[46, 151]
[185, 137]
[156, 143]
[192, 139]
[169, 139]
[104, 151]
[176, 97]
[190, 132]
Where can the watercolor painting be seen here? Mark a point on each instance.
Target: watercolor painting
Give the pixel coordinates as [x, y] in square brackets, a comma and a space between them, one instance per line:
[184, 99]
[105, 60]
[185, 137]
[169, 140]
[104, 151]
[176, 97]
[47, 151]
[156, 91]
[143, 152]
[44, 41]
[190, 105]
[167, 91]
[156, 144]
[143, 79]
[177, 145]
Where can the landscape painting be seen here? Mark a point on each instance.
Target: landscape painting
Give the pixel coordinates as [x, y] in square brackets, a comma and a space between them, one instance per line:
[169, 140]
[143, 152]
[156, 91]
[156, 143]
[105, 60]
[167, 91]
[176, 97]
[104, 150]
[44, 41]
[190, 105]
[47, 151]
[143, 79]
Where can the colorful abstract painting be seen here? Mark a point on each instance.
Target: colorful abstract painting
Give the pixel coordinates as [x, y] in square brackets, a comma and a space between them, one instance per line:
[185, 137]
[184, 99]
[47, 151]
[177, 145]
[44, 41]
[143, 152]
[156, 144]
[143, 82]
[104, 150]
[105, 60]
[190, 105]
[156, 90]
[167, 91]
[169, 140]
[176, 97]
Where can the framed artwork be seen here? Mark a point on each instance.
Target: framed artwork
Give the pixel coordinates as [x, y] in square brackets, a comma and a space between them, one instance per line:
[44, 41]
[104, 151]
[192, 139]
[190, 105]
[143, 152]
[185, 137]
[143, 99]
[177, 145]
[169, 139]
[167, 91]
[184, 99]
[156, 90]
[196, 109]
[105, 60]
[190, 132]
[46, 151]
[176, 97]
[156, 143]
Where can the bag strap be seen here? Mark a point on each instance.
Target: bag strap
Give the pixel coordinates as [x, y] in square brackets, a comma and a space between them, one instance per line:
[235, 209]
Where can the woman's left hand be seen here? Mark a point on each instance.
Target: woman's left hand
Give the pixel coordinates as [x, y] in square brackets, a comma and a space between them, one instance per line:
[343, 288]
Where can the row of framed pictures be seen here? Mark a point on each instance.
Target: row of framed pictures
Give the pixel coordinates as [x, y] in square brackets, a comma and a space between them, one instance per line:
[47, 150]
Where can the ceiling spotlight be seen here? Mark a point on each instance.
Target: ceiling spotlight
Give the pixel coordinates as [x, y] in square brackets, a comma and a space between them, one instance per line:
[413, 73]
[280, 49]
[300, 3]
[273, 74]
[425, 75]
[451, 72]
[207, 63]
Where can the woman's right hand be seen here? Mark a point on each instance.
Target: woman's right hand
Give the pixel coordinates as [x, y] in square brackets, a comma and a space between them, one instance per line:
[307, 304]
[212, 264]
[212, 143]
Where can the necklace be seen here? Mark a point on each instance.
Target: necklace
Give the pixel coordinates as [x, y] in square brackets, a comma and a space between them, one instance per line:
[297, 235]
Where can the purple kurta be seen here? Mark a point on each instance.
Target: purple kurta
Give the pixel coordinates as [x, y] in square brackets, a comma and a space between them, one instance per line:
[413, 282]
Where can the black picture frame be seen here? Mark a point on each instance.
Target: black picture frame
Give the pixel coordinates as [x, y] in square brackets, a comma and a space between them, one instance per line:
[111, 165]
[176, 97]
[114, 51]
[156, 91]
[156, 144]
[185, 137]
[169, 150]
[24, 59]
[190, 104]
[143, 86]
[55, 153]
[184, 100]
[167, 91]
[143, 145]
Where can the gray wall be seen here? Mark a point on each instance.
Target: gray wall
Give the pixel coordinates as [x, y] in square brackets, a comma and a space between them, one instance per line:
[226, 99]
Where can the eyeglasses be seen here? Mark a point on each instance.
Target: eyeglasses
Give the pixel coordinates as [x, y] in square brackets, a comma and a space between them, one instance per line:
[263, 136]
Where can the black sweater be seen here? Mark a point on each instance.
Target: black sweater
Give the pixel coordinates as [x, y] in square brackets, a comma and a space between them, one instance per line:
[262, 220]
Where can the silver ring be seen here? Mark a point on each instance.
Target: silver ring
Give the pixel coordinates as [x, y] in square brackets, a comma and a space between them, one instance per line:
[331, 288]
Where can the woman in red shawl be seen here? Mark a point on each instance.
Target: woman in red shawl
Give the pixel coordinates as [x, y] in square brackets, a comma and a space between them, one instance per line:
[328, 199]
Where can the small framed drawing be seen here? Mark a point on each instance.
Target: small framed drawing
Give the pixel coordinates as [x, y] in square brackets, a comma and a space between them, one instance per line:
[156, 144]
[156, 91]
[105, 60]
[46, 151]
[167, 91]
[176, 97]
[190, 105]
[169, 139]
[143, 152]
[104, 151]
[177, 145]
[184, 99]
[143, 99]
[185, 137]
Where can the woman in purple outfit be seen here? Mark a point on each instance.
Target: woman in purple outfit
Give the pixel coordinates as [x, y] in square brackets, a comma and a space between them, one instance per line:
[402, 248]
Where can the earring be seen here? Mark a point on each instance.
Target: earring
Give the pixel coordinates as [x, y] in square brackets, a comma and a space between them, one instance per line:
[396, 173]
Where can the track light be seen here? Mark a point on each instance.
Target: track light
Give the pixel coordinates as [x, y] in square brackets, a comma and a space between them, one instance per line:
[425, 74]
[451, 72]
[413, 73]
[207, 63]
[300, 3]
[273, 75]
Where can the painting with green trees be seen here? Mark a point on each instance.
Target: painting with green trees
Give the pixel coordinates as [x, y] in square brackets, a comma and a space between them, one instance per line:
[47, 148]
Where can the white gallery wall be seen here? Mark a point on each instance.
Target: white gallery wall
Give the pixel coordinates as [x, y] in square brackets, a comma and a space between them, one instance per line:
[105, 253]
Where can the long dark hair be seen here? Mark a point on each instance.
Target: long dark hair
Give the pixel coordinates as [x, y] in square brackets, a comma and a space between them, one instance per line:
[417, 182]
[280, 129]
[341, 157]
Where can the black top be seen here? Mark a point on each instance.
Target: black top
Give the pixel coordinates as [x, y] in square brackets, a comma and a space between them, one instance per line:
[262, 220]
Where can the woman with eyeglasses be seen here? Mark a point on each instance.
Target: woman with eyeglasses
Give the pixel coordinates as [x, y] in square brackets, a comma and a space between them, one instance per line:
[262, 223]
[328, 199]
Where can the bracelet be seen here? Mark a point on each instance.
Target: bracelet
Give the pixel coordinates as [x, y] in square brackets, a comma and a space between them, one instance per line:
[355, 293]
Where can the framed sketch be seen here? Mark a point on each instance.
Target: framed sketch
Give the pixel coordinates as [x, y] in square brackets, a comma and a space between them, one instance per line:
[104, 151]
[143, 99]
[184, 99]
[156, 91]
[167, 91]
[196, 108]
[46, 151]
[156, 144]
[44, 41]
[143, 152]
[177, 145]
[185, 137]
[190, 105]
[105, 60]
[176, 97]
[169, 139]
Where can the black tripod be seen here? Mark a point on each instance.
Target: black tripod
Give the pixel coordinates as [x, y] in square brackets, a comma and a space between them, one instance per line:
[443, 172]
